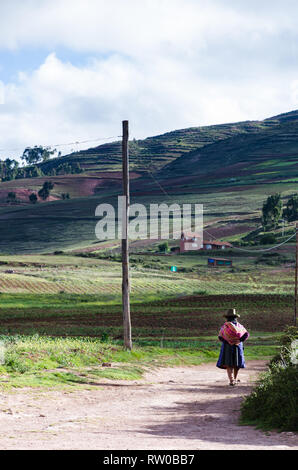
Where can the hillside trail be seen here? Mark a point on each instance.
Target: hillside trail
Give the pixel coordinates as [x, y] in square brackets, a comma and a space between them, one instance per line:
[169, 409]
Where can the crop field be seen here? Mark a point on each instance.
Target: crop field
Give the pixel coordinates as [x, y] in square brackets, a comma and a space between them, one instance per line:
[150, 275]
[64, 311]
[186, 317]
[68, 294]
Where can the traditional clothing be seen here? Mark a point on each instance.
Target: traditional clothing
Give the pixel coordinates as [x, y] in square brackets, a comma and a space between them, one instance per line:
[231, 354]
[232, 331]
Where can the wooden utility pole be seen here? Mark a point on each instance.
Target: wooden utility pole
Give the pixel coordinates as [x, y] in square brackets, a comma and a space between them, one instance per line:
[296, 277]
[125, 255]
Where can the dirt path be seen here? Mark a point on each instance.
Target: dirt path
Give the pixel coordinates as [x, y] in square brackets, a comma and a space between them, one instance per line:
[174, 408]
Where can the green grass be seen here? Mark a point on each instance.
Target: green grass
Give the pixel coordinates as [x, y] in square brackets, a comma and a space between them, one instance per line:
[62, 340]
[46, 362]
[36, 361]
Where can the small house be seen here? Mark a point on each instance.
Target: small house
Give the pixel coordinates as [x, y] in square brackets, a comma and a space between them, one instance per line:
[190, 241]
[222, 262]
[215, 245]
[193, 241]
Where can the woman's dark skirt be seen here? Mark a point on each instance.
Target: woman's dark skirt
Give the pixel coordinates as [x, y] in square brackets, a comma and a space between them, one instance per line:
[231, 356]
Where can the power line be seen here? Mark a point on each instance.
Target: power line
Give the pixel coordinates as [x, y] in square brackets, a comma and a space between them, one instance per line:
[266, 249]
[257, 251]
[63, 144]
[210, 234]
[157, 182]
[214, 238]
[87, 141]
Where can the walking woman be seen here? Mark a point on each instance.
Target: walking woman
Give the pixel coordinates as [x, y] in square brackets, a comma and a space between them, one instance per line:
[232, 335]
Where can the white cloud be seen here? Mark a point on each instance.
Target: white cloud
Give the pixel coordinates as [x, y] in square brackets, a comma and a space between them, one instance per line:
[2, 93]
[162, 64]
[137, 27]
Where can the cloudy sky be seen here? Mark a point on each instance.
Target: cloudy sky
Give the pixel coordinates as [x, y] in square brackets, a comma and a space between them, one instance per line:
[74, 69]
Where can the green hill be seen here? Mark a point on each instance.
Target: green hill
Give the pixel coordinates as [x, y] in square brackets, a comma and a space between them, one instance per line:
[230, 168]
[156, 151]
[101, 166]
[269, 155]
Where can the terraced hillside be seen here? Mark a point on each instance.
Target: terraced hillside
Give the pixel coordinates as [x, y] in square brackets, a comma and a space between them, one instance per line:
[102, 165]
[267, 156]
[155, 152]
[247, 153]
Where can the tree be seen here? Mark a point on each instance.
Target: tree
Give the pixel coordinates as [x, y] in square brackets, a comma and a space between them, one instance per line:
[63, 169]
[68, 168]
[44, 192]
[33, 198]
[33, 155]
[163, 247]
[11, 197]
[271, 212]
[8, 169]
[21, 173]
[33, 172]
[65, 196]
[291, 211]
[76, 167]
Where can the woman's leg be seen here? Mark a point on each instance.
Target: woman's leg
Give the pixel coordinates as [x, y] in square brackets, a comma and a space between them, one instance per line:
[236, 370]
[230, 374]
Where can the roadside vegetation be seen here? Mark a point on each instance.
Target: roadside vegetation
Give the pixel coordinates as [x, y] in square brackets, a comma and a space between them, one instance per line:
[273, 404]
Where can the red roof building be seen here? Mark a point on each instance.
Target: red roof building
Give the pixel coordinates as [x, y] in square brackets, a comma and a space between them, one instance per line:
[193, 241]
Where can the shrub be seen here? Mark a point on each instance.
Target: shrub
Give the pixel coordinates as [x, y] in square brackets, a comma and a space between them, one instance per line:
[14, 362]
[291, 211]
[11, 197]
[268, 239]
[272, 259]
[163, 247]
[273, 403]
[44, 192]
[285, 354]
[33, 198]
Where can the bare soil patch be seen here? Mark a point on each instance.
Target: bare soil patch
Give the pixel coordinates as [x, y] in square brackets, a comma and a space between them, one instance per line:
[172, 408]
